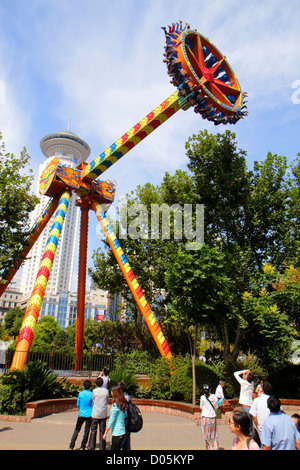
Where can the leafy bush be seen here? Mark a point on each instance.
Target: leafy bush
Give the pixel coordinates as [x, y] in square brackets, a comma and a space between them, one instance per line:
[11, 403]
[143, 392]
[34, 382]
[138, 362]
[160, 375]
[181, 382]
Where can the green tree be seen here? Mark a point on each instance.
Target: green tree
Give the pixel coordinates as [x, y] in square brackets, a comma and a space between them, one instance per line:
[44, 334]
[62, 344]
[244, 209]
[292, 240]
[200, 291]
[269, 329]
[16, 203]
[251, 217]
[267, 216]
[286, 293]
[13, 321]
[114, 337]
[245, 215]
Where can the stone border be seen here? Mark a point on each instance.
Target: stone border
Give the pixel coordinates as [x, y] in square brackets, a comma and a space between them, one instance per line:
[37, 409]
[40, 408]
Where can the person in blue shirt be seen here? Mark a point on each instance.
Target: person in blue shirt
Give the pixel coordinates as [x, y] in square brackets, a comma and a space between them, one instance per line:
[279, 429]
[84, 404]
[118, 414]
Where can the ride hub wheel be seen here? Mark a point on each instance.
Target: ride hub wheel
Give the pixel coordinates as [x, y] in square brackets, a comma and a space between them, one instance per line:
[199, 70]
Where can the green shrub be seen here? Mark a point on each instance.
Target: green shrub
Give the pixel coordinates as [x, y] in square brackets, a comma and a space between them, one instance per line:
[138, 362]
[34, 382]
[181, 383]
[160, 376]
[11, 403]
[143, 392]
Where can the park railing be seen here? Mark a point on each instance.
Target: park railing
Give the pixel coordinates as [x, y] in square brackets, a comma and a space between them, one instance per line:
[90, 364]
[64, 364]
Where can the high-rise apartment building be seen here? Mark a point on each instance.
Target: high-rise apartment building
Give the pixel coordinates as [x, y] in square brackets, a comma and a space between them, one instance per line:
[71, 150]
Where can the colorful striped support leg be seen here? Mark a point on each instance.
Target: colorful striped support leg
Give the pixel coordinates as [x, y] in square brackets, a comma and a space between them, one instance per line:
[132, 283]
[33, 310]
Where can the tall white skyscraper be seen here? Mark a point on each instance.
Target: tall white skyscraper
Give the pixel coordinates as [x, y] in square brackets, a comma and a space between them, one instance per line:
[71, 150]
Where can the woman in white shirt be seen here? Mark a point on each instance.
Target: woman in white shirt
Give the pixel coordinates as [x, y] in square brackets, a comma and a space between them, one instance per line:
[247, 387]
[208, 405]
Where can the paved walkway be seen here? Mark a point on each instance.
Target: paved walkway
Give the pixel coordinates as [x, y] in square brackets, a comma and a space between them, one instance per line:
[160, 432]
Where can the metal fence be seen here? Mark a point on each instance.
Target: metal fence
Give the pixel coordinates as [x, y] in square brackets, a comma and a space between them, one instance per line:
[64, 364]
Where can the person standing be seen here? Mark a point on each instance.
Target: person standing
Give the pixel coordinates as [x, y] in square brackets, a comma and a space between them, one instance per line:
[126, 443]
[104, 374]
[219, 392]
[247, 387]
[84, 404]
[279, 429]
[99, 415]
[296, 418]
[259, 409]
[208, 405]
[259, 389]
[246, 436]
[116, 422]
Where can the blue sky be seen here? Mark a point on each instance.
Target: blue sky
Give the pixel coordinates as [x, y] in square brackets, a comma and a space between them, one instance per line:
[99, 65]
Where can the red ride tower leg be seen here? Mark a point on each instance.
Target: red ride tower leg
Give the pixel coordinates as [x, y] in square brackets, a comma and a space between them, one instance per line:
[81, 282]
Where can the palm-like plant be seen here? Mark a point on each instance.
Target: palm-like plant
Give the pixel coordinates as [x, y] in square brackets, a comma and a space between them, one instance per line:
[34, 382]
[128, 377]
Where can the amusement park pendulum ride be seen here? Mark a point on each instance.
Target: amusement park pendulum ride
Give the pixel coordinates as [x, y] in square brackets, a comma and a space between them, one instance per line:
[204, 81]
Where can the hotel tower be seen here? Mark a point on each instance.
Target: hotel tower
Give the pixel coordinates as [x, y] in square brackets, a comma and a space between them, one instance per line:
[71, 150]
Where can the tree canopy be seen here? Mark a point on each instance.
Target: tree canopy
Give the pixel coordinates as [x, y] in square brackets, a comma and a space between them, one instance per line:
[16, 203]
[250, 220]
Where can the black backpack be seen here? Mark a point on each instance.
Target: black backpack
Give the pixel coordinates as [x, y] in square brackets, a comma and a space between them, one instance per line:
[134, 418]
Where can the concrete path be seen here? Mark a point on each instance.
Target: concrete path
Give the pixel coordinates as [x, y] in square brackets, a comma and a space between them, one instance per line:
[160, 432]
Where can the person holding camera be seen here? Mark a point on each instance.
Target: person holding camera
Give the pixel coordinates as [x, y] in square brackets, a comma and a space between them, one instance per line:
[208, 405]
[104, 374]
[246, 381]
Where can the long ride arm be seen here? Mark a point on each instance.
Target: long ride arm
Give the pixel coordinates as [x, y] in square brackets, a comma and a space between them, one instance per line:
[135, 135]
